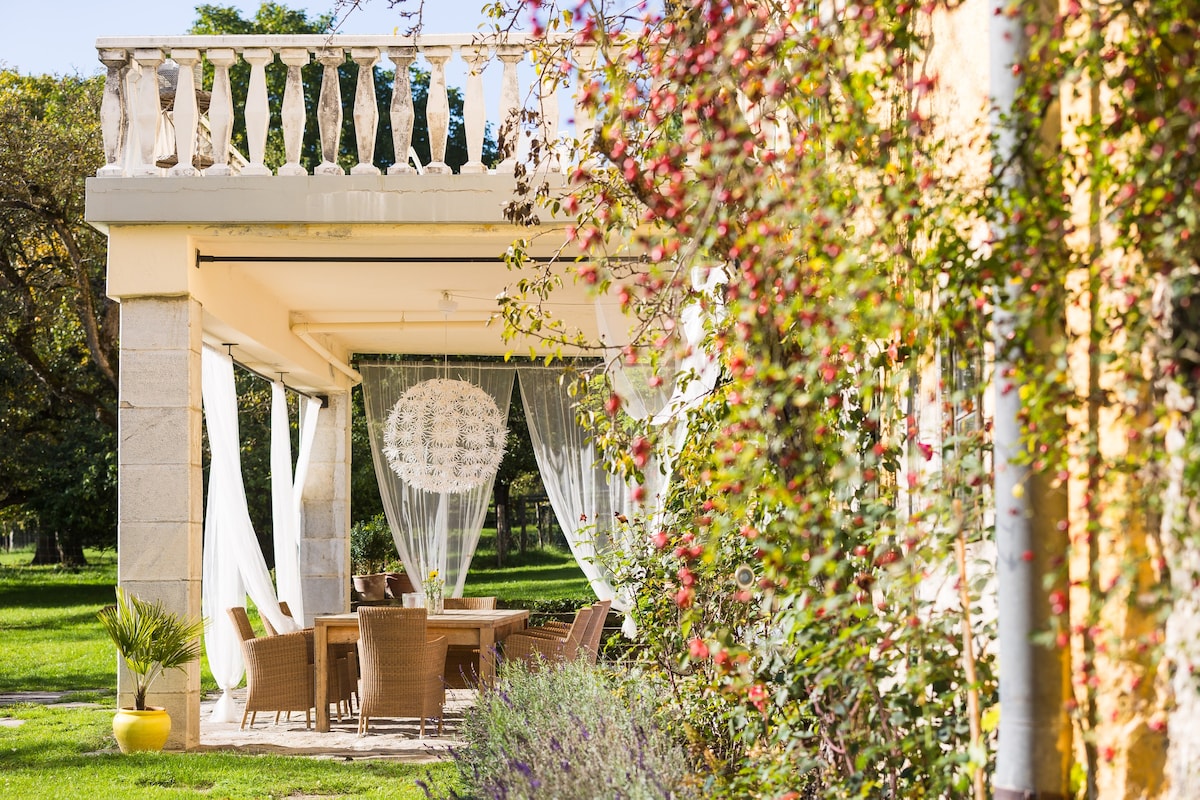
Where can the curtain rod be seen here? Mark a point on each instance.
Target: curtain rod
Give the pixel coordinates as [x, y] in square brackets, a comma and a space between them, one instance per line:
[589, 361]
[210, 259]
[322, 399]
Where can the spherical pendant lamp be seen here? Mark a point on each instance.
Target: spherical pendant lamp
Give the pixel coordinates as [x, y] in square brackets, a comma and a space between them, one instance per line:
[444, 436]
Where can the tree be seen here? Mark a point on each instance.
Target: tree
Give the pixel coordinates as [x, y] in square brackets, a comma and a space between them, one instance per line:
[519, 461]
[59, 331]
[871, 255]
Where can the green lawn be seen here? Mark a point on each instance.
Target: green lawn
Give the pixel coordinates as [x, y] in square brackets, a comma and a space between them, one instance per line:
[69, 752]
[536, 575]
[50, 640]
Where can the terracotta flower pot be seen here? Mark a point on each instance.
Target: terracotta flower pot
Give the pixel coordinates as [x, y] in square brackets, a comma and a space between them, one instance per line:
[371, 587]
[141, 731]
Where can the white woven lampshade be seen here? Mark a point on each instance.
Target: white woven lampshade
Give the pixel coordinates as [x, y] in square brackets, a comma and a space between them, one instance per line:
[444, 436]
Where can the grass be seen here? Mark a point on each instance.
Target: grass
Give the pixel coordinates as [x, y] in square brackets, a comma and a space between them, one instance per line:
[547, 574]
[69, 752]
[52, 641]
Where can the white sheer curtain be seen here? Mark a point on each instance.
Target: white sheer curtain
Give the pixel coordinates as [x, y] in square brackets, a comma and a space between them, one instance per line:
[287, 493]
[233, 561]
[586, 498]
[431, 530]
[685, 384]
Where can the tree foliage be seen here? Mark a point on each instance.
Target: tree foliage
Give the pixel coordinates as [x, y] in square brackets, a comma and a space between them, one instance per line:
[58, 334]
[844, 457]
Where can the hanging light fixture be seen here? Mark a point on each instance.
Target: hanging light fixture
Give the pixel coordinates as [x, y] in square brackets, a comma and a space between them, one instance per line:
[445, 436]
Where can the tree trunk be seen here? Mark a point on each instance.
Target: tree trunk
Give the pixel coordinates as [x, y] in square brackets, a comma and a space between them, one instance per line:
[520, 513]
[54, 550]
[47, 549]
[503, 525]
[70, 553]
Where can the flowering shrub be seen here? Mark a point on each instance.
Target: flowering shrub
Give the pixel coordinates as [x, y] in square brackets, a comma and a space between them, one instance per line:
[567, 732]
[890, 262]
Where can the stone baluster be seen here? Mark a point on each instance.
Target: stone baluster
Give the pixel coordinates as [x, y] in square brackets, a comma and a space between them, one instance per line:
[366, 111]
[220, 110]
[113, 122]
[258, 115]
[186, 115]
[147, 109]
[293, 111]
[548, 101]
[510, 105]
[474, 113]
[402, 113]
[437, 108]
[329, 112]
[585, 120]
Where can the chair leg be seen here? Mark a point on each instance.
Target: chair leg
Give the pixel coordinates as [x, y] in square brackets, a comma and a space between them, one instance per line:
[422, 734]
[307, 718]
[440, 721]
[245, 714]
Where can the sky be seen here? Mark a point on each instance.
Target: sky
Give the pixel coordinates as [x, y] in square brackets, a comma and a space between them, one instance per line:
[59, 36]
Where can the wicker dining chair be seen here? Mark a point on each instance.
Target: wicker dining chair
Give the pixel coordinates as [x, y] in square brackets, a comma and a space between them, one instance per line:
[462, 661]
[279, 676]
[343, 664]
[595, 630]
[401, 669]
[536, 648]
[590, 642]
[470, 603]
[342, 678]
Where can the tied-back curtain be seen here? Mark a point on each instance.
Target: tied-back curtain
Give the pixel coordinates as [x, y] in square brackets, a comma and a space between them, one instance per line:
[233, 561]
[432, 530]
[585, 497]
[287, 493]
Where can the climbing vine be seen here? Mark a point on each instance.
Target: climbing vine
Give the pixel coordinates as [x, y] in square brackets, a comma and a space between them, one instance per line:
[871, 239]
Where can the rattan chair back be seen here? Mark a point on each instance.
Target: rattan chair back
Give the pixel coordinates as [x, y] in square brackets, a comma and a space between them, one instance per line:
[595, 630]
[470, 603]
[241, 622]
[401, 672]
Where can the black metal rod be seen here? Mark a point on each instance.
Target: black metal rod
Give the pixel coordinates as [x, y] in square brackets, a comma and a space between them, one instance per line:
[322, 399]
[209, 259]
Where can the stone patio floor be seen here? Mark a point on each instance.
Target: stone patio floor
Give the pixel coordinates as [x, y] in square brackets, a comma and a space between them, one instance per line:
[394, 739]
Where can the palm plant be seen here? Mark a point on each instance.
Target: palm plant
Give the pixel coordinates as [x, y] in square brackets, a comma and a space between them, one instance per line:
[150, 638]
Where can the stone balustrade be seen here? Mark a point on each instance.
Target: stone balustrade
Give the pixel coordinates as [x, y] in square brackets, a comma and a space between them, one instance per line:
[139, 121]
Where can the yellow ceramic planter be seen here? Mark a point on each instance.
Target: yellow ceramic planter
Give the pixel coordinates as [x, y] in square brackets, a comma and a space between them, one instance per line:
[140, 731]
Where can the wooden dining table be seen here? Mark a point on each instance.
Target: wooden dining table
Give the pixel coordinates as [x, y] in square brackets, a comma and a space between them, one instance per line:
[482, 629]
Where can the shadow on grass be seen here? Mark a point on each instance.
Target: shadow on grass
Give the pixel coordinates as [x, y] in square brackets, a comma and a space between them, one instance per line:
[55, 595]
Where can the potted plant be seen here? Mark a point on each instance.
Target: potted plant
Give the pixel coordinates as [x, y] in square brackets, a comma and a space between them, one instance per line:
[370, 547]
[152, 640]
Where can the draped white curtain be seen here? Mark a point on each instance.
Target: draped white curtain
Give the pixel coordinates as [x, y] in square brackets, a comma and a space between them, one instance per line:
[287, 492]
[431, 530]
[686, 384]
[585, 497]
[233, 561]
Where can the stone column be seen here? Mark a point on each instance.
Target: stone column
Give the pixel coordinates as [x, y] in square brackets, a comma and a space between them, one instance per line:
[160, 485]
[325, 534]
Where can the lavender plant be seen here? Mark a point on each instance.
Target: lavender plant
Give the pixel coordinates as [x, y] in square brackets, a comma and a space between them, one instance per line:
[570, 731]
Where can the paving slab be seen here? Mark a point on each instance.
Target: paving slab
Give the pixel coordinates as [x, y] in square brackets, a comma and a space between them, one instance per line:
[392, 739]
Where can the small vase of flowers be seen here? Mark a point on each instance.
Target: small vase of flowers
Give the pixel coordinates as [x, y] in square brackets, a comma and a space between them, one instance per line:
[435, 589]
